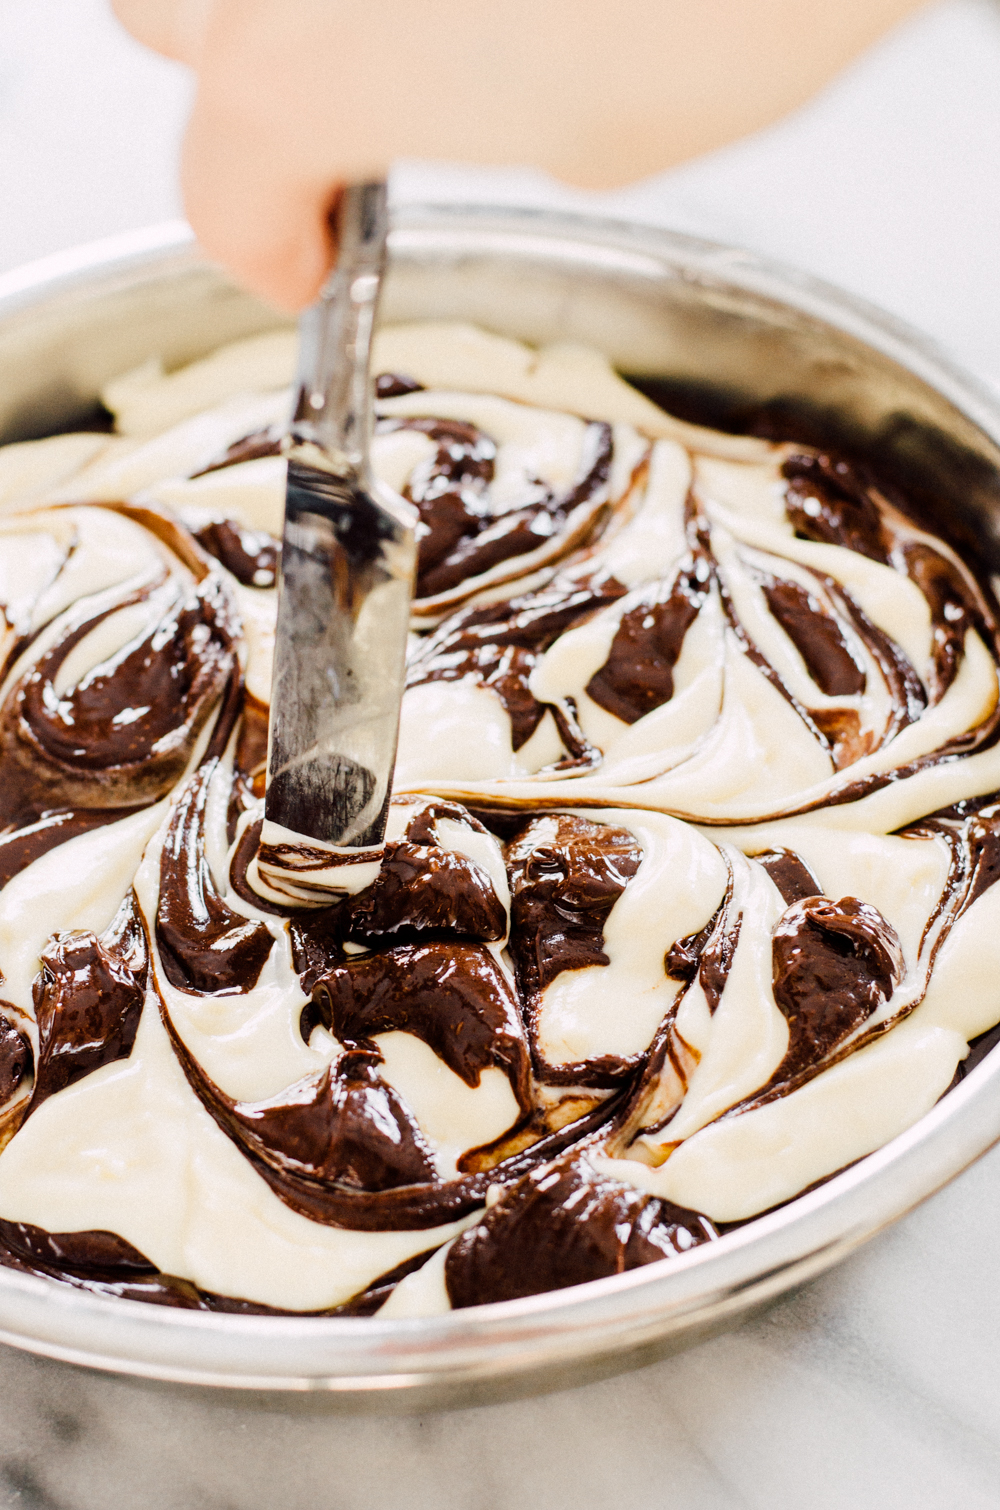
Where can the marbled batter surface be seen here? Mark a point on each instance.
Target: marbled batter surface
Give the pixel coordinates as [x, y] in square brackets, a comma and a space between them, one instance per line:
[688, 894]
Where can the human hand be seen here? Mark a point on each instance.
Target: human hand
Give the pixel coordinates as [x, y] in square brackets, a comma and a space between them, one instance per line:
[297, 97]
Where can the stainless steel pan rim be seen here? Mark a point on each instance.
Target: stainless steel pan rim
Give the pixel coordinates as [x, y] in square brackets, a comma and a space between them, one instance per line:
[562, 1336]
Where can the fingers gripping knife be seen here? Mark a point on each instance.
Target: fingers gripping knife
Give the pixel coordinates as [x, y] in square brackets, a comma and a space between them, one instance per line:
[344, 596]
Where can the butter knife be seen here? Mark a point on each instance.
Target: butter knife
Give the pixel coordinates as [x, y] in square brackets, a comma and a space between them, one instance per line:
[345, 585]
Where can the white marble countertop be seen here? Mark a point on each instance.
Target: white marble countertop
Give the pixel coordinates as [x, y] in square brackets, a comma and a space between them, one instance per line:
[876, 1385]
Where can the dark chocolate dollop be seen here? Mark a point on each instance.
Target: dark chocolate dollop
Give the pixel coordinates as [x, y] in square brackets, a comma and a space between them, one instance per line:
[453, 996]
[817, 637]
[15, 1056]
[828, 500]
[317, 938]
[835, 963]
[566, 874]
[423, 890]
[683, 957]
[251, 555]
[344, 1126]
[88, 1001]
[565, 1224]
[790, 874]
[638, 673]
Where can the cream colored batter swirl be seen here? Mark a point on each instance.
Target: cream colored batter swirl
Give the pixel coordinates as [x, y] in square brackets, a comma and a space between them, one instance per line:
[666, 932]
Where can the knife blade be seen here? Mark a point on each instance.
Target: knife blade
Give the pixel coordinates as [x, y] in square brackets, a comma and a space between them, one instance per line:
[345, 584]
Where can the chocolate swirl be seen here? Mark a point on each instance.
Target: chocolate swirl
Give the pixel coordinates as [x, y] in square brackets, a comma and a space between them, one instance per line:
[251, 555]
[425, 890]
[499, 647]
[853, 687]
[829, 500]
[450, 492]
[733, 636]
[487, 542]
[270, 1137]
[252, 447]
[105, 1264]
[122, 736]
[817, 637]
[566, 873]
[205, 947]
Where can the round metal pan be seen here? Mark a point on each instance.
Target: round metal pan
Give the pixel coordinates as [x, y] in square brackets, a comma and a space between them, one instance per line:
[734, 338]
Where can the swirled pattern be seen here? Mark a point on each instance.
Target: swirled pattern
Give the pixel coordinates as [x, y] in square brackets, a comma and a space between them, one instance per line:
[688, 898]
